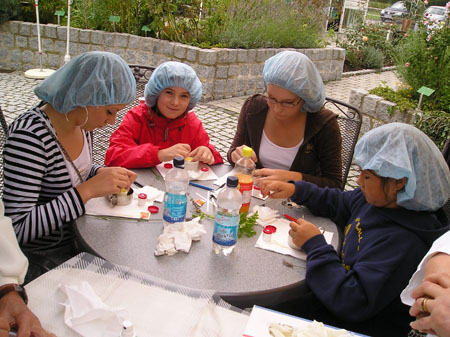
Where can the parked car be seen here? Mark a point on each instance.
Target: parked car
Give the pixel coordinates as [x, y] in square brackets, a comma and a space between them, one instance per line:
[394, 13]
[435, 13]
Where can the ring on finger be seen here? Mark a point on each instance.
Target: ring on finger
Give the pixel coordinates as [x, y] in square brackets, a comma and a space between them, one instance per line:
[423, 306]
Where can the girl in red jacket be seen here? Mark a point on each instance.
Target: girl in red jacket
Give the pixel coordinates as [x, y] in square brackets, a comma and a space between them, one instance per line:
[163, 126]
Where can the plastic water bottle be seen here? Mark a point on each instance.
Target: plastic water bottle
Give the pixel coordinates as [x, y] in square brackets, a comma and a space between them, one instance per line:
[175, 200]
[243, 169]
[226, 222]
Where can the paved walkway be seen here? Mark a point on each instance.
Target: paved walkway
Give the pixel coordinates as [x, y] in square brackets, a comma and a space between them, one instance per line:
[219, 117]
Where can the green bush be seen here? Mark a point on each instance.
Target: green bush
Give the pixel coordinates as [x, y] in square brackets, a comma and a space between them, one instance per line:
[8, 9]
[372, 58]
[423, 59]
[273, 24]
[436, 125]
[370, 35]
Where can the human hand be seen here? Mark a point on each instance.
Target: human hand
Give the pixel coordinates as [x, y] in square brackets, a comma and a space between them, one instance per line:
[276, 189]
[108, 180]
[181, 150]
[302, 230]
[203, 154]
[436, 290]
[14, 312]
[237, 154]
[273, 174]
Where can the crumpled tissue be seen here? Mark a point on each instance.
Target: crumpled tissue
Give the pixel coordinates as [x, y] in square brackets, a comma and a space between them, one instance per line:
[266, 215]
[314, 329]
[87, 314]
[179, 236]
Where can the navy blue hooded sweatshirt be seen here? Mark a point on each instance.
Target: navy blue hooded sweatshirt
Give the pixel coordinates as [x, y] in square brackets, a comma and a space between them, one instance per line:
[381, 249]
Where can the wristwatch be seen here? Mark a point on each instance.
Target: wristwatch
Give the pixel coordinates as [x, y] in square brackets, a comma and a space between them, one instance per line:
[7, 288]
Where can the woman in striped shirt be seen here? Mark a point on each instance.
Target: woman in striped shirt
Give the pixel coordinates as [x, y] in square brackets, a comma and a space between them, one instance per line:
[48, 169]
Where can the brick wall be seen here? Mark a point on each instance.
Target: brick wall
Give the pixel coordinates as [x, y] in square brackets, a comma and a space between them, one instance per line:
[224, 72]
[377, 111]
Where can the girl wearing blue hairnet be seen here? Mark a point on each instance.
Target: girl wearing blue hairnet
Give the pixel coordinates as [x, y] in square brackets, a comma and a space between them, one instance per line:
[163, 126]
[48, 170]
[389, 223]
[292, 135]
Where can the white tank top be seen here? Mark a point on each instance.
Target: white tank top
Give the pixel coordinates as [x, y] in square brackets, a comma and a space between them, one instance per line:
[83, 164]
[274, 156]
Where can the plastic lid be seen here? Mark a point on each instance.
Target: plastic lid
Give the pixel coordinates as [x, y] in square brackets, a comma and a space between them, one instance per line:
[188, 159]
[247, 152]
[269, 229]
[178, 162]
[232, 181]
[127, 329]
[142, 196]
[168, 165]
[153, 209]
[204, 169]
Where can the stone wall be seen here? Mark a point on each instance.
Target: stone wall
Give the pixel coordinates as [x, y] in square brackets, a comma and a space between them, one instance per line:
[377, 111]
[224, 72]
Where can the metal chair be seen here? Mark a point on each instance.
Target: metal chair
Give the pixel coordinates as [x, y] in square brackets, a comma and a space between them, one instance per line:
[3, 135]
[349, 121]
[101, 136]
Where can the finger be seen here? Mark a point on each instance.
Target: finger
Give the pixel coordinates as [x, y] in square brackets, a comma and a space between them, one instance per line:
[443, 279]
[427, 288]
[423, 324]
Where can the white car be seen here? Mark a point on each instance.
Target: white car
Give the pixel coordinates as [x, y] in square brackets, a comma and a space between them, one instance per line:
[435, 13]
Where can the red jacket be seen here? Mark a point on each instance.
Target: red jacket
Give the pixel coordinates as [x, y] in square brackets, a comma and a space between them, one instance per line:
[142, 133]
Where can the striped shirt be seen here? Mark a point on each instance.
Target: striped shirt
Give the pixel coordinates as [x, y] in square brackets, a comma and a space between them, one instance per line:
[38, 192]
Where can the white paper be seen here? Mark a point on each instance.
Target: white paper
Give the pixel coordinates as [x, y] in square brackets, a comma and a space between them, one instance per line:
[102, 207]
[279, 241]
[193, 175]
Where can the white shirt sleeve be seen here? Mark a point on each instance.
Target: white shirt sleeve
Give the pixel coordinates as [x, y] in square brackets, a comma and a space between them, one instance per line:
[13, 264]
[441, 245]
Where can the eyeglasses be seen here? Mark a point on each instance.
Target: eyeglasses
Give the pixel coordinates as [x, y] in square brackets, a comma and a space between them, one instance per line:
[283, 103]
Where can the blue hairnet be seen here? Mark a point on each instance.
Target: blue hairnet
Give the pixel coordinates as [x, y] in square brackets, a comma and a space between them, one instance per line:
[173, 74]
[90, 79]
[295, 72]
[399, 150]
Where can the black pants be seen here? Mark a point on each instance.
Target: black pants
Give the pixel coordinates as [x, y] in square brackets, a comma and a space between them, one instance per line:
[41, 261]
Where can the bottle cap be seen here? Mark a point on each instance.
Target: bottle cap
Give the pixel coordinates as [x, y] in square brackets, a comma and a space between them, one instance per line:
[153, 209]
[232, 181]
[178, 162]
[247, 152]
[204, 169]
[142, 196]
[127, 329]
[168, 165]
[269, 229]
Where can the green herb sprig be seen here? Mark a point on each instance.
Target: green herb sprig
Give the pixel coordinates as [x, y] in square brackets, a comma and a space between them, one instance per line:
[246, 224]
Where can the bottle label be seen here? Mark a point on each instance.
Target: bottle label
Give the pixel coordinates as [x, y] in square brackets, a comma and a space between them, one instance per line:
[226, 229]
[174, 207]
[245, 187]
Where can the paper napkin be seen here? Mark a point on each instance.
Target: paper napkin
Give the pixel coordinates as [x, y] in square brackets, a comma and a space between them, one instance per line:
[102, 207]
[86, 313]
[279, 240]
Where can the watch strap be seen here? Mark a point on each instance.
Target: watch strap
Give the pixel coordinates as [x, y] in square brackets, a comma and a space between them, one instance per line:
[7, 288]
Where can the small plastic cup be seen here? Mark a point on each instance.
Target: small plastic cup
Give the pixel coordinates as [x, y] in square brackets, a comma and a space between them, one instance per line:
[142, 199]
[189, 164]
[267, 232]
